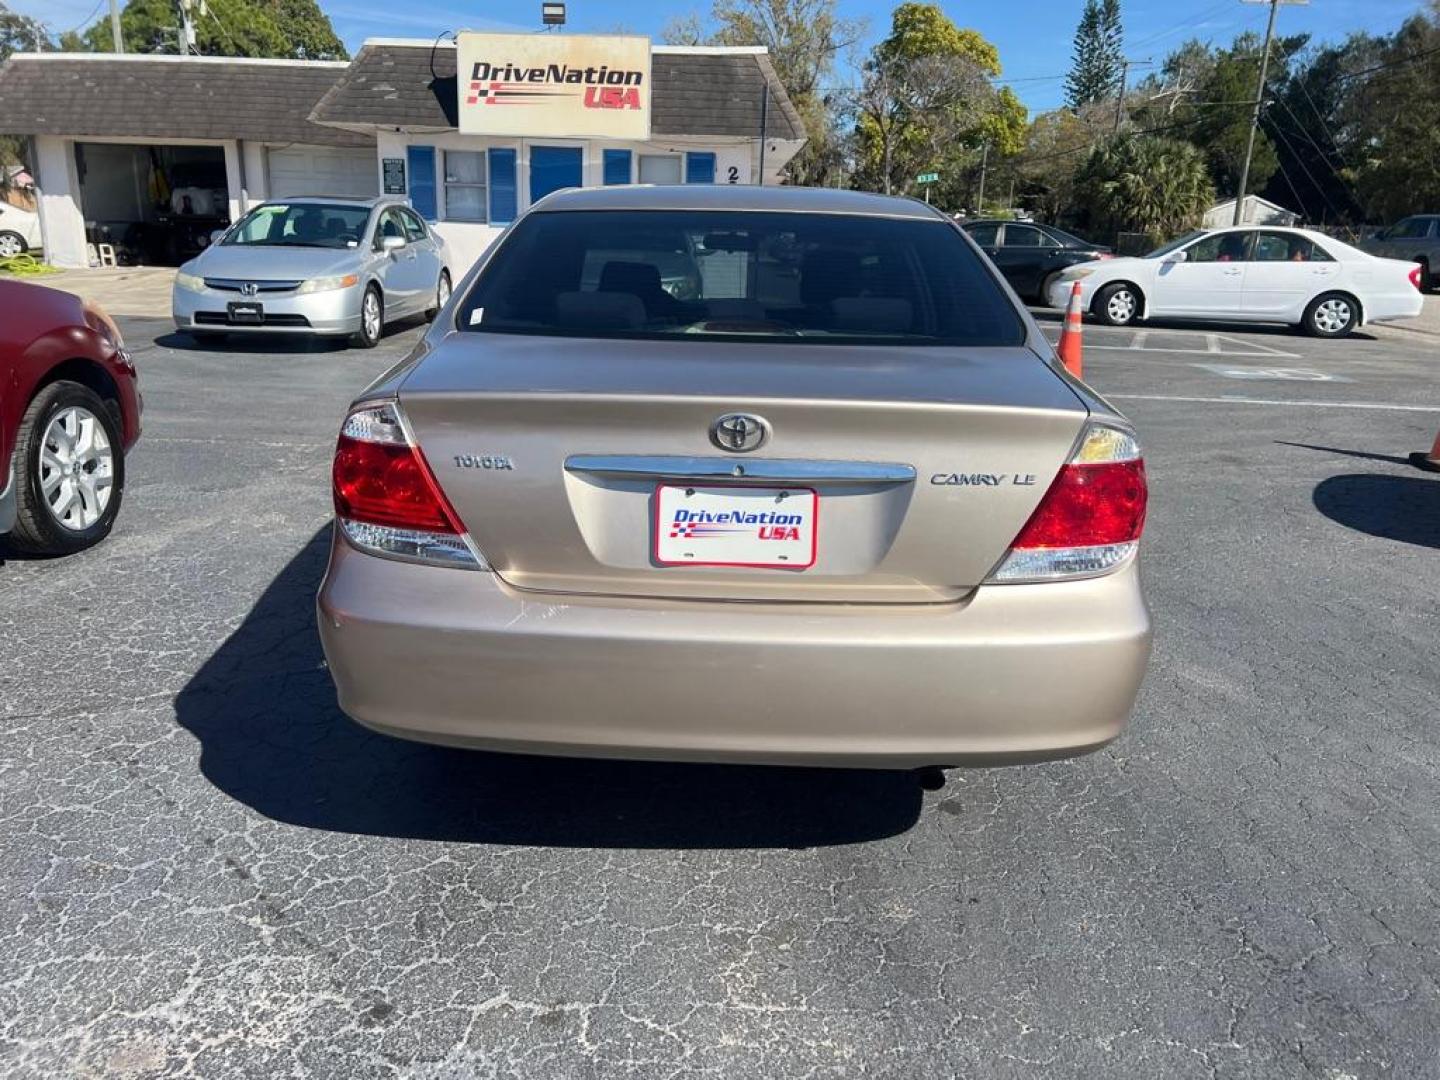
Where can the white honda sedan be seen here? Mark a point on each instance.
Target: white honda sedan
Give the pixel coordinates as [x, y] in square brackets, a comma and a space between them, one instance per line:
[1266, 275]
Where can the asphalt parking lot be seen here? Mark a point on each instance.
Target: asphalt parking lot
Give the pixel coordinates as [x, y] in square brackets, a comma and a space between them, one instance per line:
[206, 870]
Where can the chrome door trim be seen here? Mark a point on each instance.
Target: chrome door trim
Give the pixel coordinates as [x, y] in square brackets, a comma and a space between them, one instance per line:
[660, 466]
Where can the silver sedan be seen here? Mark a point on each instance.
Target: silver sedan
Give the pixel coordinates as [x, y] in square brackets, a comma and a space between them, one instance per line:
[327, 266]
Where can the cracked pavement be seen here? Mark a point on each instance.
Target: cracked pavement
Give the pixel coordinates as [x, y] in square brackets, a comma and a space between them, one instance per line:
[206, 870]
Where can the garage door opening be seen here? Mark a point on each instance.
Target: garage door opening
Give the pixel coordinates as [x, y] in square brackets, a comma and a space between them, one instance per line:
[155, 205]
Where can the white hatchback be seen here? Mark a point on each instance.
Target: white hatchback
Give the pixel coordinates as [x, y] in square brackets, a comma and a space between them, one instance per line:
[1271, 275]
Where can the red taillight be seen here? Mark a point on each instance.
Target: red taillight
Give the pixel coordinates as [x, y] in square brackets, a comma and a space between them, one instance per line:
[1089, 505]
[1103, 255]
[388, 484]
[1090, 519]
[1417, 276]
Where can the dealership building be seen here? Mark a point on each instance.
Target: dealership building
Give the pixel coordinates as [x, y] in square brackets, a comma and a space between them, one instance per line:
[147, 154]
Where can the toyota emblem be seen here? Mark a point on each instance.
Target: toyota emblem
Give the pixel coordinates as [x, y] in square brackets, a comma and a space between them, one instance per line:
[249, 289]
[739, 432]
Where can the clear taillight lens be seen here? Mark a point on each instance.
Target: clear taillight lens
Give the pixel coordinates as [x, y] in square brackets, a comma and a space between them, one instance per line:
[386, 499]
[1090, 520]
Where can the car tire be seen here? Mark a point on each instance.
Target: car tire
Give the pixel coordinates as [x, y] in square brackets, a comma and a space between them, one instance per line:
[1331, 315]
[12, 244]
[61, 411]
[372, 319]
[1117, 304]
[1428, 281]
[442, 295]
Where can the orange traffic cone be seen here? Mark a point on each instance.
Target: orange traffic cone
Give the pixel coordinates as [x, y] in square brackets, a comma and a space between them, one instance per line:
[1069, 347]
[1429, 462]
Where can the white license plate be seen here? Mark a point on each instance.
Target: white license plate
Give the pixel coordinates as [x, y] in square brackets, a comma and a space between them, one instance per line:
[735, 526]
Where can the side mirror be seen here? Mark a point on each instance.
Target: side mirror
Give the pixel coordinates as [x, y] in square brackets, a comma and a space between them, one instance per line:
[1177, 256]
[391, 243]
[218, 235]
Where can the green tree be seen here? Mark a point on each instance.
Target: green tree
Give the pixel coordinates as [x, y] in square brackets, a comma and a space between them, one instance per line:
[1144, 184]
[295, 29]
[1098, 54]
[18, 33]
[803, 38]
[926, 102]
[1387, 120]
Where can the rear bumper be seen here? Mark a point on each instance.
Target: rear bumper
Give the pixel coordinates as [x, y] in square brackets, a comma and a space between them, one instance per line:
[456, 657]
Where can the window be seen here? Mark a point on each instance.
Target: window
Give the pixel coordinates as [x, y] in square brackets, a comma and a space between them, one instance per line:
[300, 225]
[659, 168]
[1414, 228]
[699, 168]
[414, 229]
[421, 163]
[1288, 247]
[984, 235]
[1220, 247]
[465, 185]
[390, 224]
[684, 275]
[617, 167]
[1024, 236]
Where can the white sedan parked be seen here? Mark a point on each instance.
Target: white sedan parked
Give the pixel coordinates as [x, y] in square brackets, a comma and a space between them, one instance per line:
[1271, 275]
[19, 230]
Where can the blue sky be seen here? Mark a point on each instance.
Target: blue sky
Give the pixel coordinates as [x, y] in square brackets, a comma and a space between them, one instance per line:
[1033, 36]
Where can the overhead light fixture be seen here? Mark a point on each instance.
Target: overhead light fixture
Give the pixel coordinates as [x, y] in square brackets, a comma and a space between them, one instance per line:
[552, 14]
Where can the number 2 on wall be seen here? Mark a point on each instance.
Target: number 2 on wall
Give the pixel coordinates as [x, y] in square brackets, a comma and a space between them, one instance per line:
[732, 175]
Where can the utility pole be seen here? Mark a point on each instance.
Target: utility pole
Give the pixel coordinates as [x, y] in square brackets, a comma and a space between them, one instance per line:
[1259, 103]
[984, 160]
[115, 26]
[1125, 66]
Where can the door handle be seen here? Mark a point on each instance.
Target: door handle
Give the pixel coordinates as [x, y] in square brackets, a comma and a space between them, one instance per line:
[1231, 271]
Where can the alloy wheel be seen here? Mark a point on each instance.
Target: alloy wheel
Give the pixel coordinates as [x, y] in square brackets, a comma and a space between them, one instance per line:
[370, 315]
[10, 245]
[77, 468]
[442, 294]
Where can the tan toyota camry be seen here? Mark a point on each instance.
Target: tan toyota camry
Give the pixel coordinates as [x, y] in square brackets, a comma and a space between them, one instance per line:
[737, 474]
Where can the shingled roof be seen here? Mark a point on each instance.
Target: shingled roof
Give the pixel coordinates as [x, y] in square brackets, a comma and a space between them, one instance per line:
[411, 85]
[155, 97]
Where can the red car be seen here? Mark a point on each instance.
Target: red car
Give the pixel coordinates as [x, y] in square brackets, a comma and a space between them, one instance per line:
[69, 412]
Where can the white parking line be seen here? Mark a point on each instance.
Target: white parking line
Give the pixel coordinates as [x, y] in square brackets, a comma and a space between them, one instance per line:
[1376, 405]
[1215, 345]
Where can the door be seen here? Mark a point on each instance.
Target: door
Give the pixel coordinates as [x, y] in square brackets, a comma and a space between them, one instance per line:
[553, 168]
[1209, 283]
[1285, 271]
[427, 254]
[322, 170]
[1022, 255]
[404, 277]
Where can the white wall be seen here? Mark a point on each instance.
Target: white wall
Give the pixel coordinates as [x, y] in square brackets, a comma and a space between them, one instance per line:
[60, 216]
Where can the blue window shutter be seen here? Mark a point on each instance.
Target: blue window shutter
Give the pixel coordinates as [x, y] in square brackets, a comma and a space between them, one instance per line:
[699, 168]
[421, 162]
[617, 166]
[503, 188]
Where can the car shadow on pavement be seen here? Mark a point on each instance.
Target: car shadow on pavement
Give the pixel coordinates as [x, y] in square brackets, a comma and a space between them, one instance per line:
[252, 343]
[1401, 508]
[271, 736]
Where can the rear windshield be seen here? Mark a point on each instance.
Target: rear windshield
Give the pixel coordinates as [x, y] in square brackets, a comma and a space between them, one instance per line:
[754, 276]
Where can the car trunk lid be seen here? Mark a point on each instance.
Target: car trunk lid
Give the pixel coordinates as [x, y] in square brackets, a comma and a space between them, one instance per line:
[924, 462]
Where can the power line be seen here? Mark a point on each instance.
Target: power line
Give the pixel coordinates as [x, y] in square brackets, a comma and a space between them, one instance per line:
[1388, 64]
